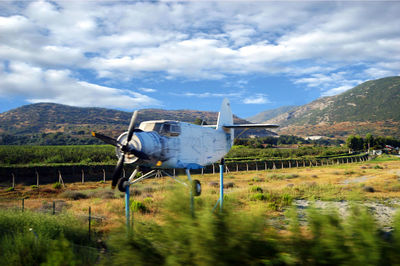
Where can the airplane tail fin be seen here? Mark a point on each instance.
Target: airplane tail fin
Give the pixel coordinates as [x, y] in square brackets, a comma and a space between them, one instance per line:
[225, 116]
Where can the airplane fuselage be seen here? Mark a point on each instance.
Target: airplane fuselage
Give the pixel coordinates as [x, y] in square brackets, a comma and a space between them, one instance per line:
[174, 144]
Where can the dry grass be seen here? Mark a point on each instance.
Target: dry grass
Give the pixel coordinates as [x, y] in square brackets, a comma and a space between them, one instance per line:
[334, 182]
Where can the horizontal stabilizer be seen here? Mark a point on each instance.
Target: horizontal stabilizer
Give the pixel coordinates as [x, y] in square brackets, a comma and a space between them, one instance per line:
[245, 126]
[251, 126]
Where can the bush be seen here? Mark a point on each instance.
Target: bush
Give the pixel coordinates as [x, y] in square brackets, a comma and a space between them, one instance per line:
[10, 189]
[57, 185]
[138, 206]
[21, 246]
[258, 196]
[205, 238]
[74, 195]
[256, 189]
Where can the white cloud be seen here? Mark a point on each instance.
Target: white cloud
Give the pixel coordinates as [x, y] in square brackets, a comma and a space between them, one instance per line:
[147, 89]
[256, 99]
[58, 86]
[335, 91]
[210, 94]
[315, 44]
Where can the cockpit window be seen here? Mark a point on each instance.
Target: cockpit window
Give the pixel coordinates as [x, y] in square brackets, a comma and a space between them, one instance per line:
[170, 129]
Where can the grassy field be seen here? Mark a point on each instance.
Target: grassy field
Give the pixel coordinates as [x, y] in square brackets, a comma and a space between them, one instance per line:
[261, 204]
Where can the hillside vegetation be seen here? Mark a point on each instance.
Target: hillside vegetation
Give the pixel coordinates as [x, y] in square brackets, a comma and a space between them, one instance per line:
[371, 107]
[57, 124]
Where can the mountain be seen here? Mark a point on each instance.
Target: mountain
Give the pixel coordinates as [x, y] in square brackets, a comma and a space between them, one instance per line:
[269, 114]
[371, 107]
[49, 123]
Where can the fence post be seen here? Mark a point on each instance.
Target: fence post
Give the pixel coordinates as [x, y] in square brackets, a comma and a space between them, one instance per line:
[265, 166]
[104, 175]
[90, 219]
[256, 167]
[213, 169]
[174, 172]
[273, 166]
[281, 164]
[60, 179]
[13, 180]
[83, 176]
[37, 178]
[290, 164]
[237, 168]
[202, 171]
[247, 167]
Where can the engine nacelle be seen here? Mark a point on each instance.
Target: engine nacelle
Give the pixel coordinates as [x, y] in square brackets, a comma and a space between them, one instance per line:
[146, 142]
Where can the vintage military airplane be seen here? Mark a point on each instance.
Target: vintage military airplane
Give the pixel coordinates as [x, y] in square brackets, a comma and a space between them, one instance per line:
[165, 144]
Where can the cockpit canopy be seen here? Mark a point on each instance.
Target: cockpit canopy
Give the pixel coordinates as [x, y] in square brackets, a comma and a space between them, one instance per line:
[165, 128]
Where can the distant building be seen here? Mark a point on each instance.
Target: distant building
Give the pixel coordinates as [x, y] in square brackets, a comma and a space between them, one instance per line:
[314, 137]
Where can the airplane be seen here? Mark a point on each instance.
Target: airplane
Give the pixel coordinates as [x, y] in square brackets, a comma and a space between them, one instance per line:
[166, 144]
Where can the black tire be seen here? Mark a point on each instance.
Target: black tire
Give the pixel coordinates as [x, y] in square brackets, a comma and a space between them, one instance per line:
[196, 188]
[121, 185]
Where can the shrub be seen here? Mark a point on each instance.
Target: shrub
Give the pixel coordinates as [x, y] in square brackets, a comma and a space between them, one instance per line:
[34, 187]
[10, 189]
[256, 189]
[368, 189]
[57, 185]
[222, 237]
[258, 197]
[229, 185]
[21, 246]
[74, 195]
[138, 206]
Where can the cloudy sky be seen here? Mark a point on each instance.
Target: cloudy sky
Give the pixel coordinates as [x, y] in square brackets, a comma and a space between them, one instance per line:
[189, 55]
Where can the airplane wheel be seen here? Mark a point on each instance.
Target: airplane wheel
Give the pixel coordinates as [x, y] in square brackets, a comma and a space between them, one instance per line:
[196, 187]
[121, 186]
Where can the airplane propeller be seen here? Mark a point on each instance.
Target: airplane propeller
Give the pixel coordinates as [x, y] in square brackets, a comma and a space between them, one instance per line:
[124, 147]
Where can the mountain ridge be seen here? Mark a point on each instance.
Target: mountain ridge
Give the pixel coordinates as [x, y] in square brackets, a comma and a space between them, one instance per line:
[72, 125]
[371, 107]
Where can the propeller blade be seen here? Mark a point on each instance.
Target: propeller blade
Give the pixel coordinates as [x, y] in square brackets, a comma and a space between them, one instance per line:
[131, 127]
[139, 154]
[105, 138]
[118, 171]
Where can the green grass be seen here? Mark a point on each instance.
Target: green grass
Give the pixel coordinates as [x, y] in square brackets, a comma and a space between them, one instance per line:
[240, 237]
[28, 238]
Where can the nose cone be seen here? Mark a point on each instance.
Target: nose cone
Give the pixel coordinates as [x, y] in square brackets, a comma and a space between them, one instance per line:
[135, 143]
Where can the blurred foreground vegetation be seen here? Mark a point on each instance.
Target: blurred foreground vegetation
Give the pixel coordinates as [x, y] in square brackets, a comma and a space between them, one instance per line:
[29, 238]
[206, 237]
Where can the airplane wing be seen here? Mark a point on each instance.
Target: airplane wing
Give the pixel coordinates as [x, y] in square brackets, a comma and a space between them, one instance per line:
[245, 126]
[251, 126]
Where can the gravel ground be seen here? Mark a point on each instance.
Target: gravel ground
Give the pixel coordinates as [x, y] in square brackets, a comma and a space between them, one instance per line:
[383, 212]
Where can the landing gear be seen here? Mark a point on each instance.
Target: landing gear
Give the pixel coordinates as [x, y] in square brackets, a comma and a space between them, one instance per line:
[196, 188]
[122, 183]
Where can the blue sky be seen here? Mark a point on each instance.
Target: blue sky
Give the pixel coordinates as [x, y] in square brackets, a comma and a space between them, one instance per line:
[189, 55]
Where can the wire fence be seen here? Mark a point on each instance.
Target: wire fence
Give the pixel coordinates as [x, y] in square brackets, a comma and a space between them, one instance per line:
[36, 176]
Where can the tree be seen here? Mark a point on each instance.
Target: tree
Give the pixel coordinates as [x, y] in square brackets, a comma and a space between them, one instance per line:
[355, 143]
[369, 141]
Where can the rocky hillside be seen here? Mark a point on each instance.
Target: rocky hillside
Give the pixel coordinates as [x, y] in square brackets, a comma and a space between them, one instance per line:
[269, 114]
[373, 106]
[32, 124]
